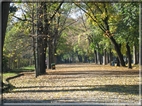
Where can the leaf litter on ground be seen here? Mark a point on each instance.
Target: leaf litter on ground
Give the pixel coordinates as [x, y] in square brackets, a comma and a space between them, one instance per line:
[77, 83]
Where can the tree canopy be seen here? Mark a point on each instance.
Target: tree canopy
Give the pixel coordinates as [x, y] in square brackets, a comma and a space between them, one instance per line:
[71, 32]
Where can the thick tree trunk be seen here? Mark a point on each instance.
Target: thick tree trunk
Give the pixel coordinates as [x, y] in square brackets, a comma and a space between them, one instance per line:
[42, 61]
[116, 46]
[129, 56]
[118, 62]
[3, 22]
[5, 13]
[42, 38]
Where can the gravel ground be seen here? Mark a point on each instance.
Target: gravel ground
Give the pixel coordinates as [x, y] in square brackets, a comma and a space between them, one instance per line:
[77, 83]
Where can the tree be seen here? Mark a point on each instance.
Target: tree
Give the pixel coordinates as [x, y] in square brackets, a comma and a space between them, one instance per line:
[100, 14]
[57, 26]
[42, 22]
[17, 46]
[128, 28]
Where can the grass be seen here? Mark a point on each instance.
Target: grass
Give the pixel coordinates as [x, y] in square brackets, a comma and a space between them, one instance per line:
[32, 67]
[16, 72]
[13, 73]
[9, 74]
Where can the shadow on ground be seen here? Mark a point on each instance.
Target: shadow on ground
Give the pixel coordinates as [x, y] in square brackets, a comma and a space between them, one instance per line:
[126, 89]
[94, 72]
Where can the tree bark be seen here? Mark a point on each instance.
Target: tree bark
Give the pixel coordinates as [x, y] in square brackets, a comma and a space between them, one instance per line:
[50, 53]
[100, 58]
[110, 57]
[5, 13]
[116, 46]
[134, 55]
[42, 59]
[79, 58]
[41, 40]
[129, 56]
[95, 55]
[104, 57]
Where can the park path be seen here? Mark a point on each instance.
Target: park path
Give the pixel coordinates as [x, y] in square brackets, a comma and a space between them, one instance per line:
[77, 83]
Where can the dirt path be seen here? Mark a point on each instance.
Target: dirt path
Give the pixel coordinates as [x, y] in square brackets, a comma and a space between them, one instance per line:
[77, 83]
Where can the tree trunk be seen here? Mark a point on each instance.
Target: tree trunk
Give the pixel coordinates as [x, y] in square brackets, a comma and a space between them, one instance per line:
[100, 58]
[118, 62]
[104, 57]
[140, 55]
[129, 56]
[134, 55]
[79, 58]
[118, 50]
[110, 57]
[85, 59]
[140, 35]
[34, 40]
[42, 29]
[50, 53]
[96, 58]
[5, 13]
[42, 61]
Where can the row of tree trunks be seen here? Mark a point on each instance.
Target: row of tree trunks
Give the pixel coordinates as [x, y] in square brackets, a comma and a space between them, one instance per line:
[107, 57]
[104, 58]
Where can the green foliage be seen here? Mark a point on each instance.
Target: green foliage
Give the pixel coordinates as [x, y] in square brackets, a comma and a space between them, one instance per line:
[73, 37]
[127, 28]
[63, 45]
[17, 43]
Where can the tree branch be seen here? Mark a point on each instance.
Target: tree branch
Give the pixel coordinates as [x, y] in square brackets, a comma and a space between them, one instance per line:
[56, 10]
[95, 20]
[20, 18]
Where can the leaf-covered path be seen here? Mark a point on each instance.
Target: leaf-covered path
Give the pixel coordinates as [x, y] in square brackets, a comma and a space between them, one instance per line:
[77, 83]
